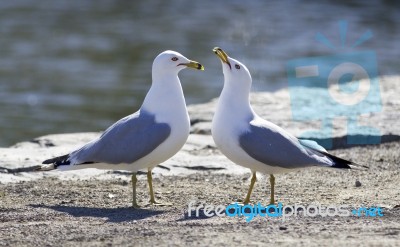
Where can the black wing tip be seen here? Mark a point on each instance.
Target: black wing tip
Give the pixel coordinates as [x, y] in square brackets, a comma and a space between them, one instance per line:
[349, 165]
[58, 161]
[345, 164]
[49, 161]
[342, 163]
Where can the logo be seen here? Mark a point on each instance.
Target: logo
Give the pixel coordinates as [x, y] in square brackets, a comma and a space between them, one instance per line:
[249, 211]
[343, 84]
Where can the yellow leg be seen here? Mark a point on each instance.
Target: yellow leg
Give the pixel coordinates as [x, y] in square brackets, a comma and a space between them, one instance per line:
[134, 181]
[253, 181]
[150, 181]
[272, 182]
[152, 198]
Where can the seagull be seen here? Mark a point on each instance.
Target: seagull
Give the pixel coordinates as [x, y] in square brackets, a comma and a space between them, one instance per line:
[146, 138]
[250, 141]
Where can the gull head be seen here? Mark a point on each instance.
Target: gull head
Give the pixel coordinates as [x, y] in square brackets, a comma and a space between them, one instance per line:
[172, 61]
[234, 71]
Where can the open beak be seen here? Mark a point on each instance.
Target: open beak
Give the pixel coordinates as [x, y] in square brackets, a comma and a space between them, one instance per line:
[193, 65]
[222, 55]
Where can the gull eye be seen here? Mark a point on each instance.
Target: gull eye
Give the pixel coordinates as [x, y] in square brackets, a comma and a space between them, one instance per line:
[174, 59]
[237, 66]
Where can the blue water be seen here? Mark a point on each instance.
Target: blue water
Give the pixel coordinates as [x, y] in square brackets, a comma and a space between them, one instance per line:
[75, 66]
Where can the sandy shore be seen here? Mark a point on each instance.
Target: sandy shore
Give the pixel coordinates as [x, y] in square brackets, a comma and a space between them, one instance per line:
[91, 212]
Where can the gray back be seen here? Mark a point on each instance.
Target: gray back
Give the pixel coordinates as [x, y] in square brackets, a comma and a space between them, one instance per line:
[270, 147]
[126, 141]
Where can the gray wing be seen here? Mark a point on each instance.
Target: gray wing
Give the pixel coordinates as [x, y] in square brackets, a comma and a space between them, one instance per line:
[273, 146]
[126, 141]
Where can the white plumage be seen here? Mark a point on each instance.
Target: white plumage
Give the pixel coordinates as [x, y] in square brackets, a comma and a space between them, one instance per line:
[253, 142]
[150, 136]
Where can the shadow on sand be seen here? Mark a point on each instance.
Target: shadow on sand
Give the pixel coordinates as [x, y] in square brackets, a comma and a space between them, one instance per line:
[114, 215]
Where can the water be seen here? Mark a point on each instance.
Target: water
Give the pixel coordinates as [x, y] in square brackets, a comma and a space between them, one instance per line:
[75, 66]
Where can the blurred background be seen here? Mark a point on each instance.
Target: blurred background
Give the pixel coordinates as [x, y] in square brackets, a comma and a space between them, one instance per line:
[76, 66]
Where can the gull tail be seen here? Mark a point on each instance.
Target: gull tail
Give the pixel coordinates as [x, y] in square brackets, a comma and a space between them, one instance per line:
[54, 163]
[51, 164]
[338, 162]
[342, 163]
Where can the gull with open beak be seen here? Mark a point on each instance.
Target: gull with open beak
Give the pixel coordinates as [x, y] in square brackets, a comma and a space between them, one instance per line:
[253, 142]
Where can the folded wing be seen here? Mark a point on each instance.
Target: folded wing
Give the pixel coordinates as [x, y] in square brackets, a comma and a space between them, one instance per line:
[126, 141]
[271, 145]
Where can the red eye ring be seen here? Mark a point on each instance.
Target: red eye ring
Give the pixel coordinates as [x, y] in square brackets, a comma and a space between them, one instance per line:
[174, 59]
[237, 66]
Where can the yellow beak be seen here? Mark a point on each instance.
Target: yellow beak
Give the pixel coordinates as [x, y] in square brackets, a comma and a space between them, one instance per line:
[222, 55]
[193, 65]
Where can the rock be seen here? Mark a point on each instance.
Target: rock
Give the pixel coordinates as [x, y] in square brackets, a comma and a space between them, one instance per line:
[199, 154]
[358, 183]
